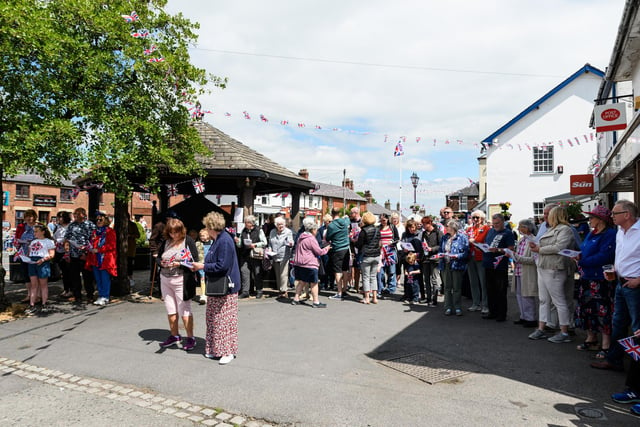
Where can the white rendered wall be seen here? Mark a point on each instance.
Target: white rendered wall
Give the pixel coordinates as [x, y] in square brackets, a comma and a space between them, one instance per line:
[566, 115]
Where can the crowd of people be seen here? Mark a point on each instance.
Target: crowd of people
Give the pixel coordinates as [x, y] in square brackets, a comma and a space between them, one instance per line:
[563, 278]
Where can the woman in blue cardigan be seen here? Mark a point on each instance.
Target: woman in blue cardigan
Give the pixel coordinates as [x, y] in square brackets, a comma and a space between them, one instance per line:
[454, 254]
[222, 311]
[594, 310]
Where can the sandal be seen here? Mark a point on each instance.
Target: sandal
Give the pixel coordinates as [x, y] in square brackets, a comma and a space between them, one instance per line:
[588, 346]
[602, 354]
[364, 301]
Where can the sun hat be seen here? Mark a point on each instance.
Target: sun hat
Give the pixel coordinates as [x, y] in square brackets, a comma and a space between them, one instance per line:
[601, 212]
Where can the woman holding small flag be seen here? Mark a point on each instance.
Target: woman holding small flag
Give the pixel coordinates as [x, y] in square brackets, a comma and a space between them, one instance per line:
[101, 257]
[177, 281]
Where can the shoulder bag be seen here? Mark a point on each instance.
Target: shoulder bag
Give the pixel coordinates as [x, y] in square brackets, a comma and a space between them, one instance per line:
[217, 286]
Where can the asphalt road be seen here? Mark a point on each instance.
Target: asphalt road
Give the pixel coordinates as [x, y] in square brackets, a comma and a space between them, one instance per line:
[302, 366]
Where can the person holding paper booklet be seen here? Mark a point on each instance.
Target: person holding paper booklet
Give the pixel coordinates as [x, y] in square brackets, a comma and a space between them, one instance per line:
[178, 282]
[410, 242]
[21, 240]
[41, 252]
[525, 273]
[594, 310]
[477, 233]
[78, 235]
[454, 251]
[279, 250]
[101, 257]
[553, 270]
[222, 310]
[496, 267]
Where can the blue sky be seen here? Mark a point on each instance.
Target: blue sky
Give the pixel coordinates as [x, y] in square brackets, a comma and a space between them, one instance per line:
[454, 70]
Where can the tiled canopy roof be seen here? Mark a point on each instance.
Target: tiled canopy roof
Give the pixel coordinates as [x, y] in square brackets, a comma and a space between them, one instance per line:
[232, 155]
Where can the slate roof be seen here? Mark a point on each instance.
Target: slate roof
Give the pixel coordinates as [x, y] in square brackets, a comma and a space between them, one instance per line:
[336, 192]
[228, 154]
[586, 69]
[470, 190]
[36, 179]
[377, 209]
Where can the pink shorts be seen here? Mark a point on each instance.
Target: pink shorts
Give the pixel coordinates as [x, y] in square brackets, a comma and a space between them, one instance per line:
[171, 287]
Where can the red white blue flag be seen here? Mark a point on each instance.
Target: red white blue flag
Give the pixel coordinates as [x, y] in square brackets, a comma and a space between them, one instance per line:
[631, 347]
[198, 185]
[399, 151]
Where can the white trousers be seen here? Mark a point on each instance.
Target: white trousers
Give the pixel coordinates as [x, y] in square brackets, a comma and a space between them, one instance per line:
[551, 288]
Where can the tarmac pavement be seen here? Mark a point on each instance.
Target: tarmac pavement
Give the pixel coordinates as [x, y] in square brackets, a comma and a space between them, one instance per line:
[296, 365]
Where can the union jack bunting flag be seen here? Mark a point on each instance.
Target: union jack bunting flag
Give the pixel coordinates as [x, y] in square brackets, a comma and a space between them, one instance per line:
[198, 185]
[131, 18]
[399, 151]
[172, 190]
[140, 34]
[631, 347]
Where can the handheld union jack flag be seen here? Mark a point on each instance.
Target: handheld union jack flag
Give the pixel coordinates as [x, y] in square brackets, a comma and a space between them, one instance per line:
[389, 256]
[198, 185]
[20, 252]
[631, 347]
[131, 18]
[497, 261]
[186, 258]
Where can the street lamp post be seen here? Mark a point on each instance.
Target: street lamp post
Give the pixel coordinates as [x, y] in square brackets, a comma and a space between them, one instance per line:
[414, 181]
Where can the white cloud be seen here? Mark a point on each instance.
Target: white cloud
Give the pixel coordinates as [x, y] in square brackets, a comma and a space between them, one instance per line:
[478, 65]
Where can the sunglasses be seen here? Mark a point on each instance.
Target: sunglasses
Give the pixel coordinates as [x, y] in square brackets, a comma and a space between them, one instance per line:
[475, 217]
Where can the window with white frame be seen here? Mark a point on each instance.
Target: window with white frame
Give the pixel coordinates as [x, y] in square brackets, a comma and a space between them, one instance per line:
[464, 203]
[538, 207]
[543, 159]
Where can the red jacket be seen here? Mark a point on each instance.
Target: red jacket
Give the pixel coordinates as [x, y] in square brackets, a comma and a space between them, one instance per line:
[479, 233]
[107, 250]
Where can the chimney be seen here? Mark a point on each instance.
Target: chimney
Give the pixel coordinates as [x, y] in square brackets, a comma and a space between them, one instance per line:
[387, 205]
[304, 173]
[368, 196]
[351, 184]
[398, 207]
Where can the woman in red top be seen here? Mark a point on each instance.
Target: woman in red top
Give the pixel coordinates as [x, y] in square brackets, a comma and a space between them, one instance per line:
[101, 257]
[477, 233]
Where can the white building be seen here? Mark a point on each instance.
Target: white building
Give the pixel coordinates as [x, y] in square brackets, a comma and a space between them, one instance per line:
[531, 157]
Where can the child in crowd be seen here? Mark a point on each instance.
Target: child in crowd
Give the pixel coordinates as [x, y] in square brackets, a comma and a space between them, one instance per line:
[411, 278]
[203, 243]
[41, 252]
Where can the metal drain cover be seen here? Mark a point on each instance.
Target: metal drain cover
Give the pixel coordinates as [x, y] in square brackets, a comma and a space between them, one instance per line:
[425, 367]
[590, 413]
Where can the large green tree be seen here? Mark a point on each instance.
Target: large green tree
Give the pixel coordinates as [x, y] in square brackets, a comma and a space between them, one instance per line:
[78, 92]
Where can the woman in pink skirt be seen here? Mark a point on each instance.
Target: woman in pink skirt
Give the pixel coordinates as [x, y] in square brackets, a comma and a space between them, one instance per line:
[222, 311]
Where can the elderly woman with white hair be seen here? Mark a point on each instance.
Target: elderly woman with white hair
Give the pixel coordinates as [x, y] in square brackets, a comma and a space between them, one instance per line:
[477, 233]
[306, 268]
[525, 283]
[280, 245]
[251, 244]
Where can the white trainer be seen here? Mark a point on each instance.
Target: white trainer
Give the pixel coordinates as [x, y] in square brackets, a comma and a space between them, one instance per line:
[226, 359]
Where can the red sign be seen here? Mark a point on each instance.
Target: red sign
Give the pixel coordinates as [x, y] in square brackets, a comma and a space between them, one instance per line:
[610, 114]
[581, 184]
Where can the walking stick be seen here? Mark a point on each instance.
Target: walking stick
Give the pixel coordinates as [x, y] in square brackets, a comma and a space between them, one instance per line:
[153, 279]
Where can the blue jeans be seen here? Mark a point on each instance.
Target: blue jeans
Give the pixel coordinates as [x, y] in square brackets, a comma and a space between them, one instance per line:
[390, 283]
[626, 312]
[103, 282]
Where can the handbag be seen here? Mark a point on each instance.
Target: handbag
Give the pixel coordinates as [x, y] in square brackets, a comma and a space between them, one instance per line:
[267, 262]
[217, 286]
[257, 253]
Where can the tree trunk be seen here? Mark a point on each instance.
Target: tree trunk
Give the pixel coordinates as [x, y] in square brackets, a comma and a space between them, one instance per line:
[120, 284]
[3, 298]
